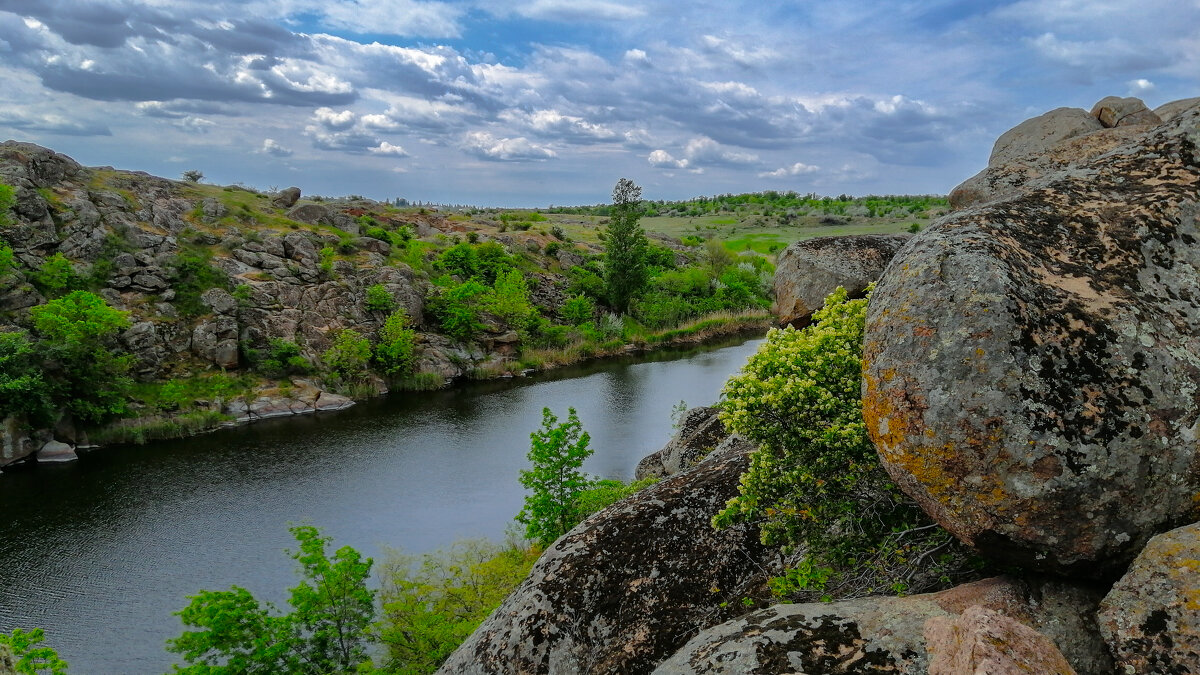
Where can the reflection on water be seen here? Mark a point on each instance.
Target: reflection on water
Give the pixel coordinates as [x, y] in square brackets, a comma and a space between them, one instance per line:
[100, 552]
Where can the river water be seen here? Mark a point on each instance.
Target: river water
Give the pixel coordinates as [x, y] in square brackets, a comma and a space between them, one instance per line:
[100, 552]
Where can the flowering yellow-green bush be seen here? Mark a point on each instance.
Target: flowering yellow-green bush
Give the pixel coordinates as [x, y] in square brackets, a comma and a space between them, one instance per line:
[815, 484]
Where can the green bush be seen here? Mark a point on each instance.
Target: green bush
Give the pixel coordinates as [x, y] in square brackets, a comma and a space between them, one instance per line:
[379, 299]
[56, 277]
[194, 273]
[815, 483]
[7, 260]
[396, 351]
[349, 355]
[509, 300]
[432, 604]
[79, 333]
[554, 481]
[578, 310]
[24, 389]
[457, 306]
[282, 358]
[30, 658]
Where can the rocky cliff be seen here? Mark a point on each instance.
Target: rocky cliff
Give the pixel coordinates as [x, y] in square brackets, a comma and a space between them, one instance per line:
[1030, 372]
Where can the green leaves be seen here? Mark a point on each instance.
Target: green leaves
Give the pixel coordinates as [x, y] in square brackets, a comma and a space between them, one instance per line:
[556, 453]
[326, 631]
[395, 352]
[625, 247]
[30, 658]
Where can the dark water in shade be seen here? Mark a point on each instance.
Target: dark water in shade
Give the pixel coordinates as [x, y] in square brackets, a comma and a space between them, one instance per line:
[101, 551]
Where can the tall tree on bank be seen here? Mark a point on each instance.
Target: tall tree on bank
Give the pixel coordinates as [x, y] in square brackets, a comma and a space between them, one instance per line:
[625, 245]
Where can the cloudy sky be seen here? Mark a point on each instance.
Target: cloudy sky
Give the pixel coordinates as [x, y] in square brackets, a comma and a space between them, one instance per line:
[536, 102]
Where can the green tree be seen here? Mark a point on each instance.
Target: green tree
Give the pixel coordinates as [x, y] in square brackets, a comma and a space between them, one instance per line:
[816, 483]
[193, 175]
[379, 299]
[325, 633]
[23, 387]
[349, 355]
[509, 299]
[556, 453]
[56, 276]
[30, 658]
[579, 310]
[78, 333]
[625, 245]
[457, 308]
[396, 349]
[430, 608]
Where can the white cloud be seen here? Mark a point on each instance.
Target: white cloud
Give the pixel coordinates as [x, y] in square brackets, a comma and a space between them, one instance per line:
[578, 10]
[1140, 86]
[797, 169]
[271, 147]
[386, 148]
[485, 146]
[337, 121]
[664, 160]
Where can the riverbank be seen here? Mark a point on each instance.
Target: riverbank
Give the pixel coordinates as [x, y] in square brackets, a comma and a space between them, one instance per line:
[301, 396]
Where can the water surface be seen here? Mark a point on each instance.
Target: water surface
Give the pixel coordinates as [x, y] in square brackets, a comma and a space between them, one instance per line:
[101, 551]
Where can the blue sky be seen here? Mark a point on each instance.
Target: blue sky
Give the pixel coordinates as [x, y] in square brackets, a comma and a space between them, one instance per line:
[537, 102]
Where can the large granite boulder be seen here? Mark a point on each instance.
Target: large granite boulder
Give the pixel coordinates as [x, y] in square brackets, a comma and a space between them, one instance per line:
[1042, 145]
[809, 270]
[1151, 618]
[286, 198]
[1031, 364]
[700, 432]
[981, 640]
[889, 634]
[630, 585]
[1169, 111]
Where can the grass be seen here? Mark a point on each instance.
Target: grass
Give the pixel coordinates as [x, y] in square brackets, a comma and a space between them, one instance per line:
[157, 428]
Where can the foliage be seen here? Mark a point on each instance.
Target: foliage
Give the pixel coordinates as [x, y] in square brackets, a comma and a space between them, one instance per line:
[509, 300]
[7, 201]
[481, 262]
[431, 607]
[23, 388]
[325, 632]
[349, 355]
[325, 265]
[194, 273]
[625, 271]
[556, 453]
[282, 358]
[457, 306]
[30, 658]
[396, 350]
[578, 310]
[816, 483]
[7, 260]
[56, 277]
[78, 332]
[379, 299]
[603, 493]
[193, 175]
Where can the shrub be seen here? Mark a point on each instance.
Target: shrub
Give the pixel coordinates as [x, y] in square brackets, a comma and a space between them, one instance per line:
[326, 261]
[379, 233]
[457, 309]
[56, 277]
[7, 260]
[396, 350]
[509, 300]
[349, 355]
[379, 299]
[283, 358]
[30, 658]
[23, 387]
[578, 310]
[194, 274]
[816, 483]
[556, 454]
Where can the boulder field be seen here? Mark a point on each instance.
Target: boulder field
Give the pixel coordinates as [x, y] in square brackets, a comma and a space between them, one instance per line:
[1031, 364]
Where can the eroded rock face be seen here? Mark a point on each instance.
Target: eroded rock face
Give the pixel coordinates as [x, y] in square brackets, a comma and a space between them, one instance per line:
[1032, 364]
[981, 640]
[1042, 145]
[888, 634]
[1151, 618]
[286, 198]
[809, 270]
[630, 585]
[700, 432]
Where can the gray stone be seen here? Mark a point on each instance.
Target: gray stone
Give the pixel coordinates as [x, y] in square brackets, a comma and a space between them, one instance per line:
[1114, 111]
[888, 634]
[212, 210]
[700, 432]
[1036, 135]
[981, 640]
[1151, 617]
[219, 300]
[55, 452]
[312, 214]
[809, 270]
[628, 586]
[1031, 363]
[15, 441]
[1169, 111]
[286, 198]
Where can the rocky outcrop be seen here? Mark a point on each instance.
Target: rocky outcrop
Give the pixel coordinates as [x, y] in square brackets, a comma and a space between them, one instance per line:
[286, 198]
[15, 441]
[1048, 143]
[889, 634]
[809, 270]
[627, 587]
[1031, 363]
[1168, 111]
[700, 432]
[1151, 618]
[54, 452]
[981, 640]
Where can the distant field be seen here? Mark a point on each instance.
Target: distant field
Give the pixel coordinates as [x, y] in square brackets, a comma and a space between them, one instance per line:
[757, 233]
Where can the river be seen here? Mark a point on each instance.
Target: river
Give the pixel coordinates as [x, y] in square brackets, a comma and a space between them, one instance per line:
[100, 552]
